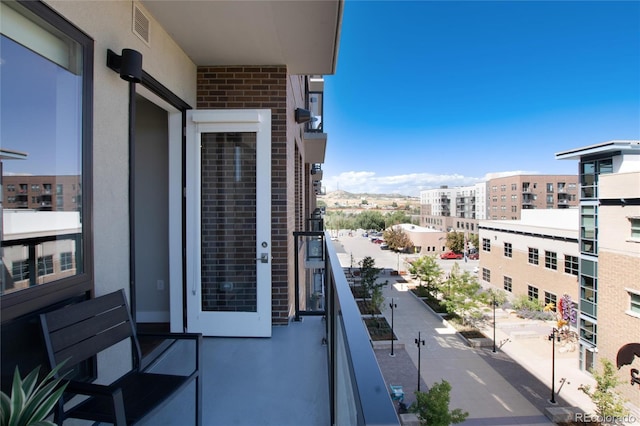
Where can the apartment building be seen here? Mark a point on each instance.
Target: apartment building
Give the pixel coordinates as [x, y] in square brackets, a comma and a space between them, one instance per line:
[500, 198]
[44, 193]
[609, 321]
[457, 209]
[508, 196]
[535, 256]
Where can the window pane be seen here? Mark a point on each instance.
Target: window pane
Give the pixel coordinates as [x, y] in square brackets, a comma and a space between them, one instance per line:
[41, 139]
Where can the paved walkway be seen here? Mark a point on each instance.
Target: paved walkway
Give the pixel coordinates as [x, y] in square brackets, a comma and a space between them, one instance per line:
[508, 387]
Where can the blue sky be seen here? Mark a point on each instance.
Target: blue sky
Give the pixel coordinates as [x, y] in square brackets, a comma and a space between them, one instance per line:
[430, 93]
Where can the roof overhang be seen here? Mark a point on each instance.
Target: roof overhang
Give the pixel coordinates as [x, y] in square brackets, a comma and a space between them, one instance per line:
[622, 146]
[303, 34]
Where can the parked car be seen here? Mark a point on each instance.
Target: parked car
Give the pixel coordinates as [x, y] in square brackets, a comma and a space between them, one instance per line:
[450, 255]
[474, 256]
[377, 241]
[384, 246]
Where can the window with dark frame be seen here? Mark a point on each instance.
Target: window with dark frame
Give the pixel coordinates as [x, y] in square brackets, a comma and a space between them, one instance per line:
[486, 244]
[39, 45]
[571, 264]
[550, 298]
[551, 260]
[508, 284]
[508, 250]
[533, 256]
[532, 292]
[486, 274]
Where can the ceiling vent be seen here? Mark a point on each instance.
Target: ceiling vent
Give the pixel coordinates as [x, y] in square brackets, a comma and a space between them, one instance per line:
[141, 24]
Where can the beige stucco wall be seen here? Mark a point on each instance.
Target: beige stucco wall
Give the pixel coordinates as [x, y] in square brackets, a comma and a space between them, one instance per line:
[108, 23]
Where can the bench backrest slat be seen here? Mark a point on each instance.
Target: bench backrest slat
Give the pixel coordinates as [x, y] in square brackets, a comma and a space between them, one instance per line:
[80, 331]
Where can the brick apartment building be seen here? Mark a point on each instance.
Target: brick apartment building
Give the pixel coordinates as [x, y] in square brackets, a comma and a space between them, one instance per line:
[44, 193]
[609, 321]
[508, 196]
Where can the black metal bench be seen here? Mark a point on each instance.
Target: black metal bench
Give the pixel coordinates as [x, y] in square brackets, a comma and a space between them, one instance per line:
[78, 332]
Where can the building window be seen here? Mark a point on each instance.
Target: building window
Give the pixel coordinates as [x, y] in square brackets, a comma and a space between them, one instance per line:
[550, 187]
[66, 261]
[503, 188]
[571, 264]
[550, 298]
[532, 292]
[634, 303]
[507, 284]
[486, 244]
[533, 256]
[589, 229]
[588, 331]
[635, 228]
[45, 265]
[486, 274]
[508, 250]
[40, 46]
[20, 270]
[588, 287]
[514, 186]
[551, 260]
[589, 172]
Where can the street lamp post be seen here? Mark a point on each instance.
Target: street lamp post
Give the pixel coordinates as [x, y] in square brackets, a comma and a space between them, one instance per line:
[553, 337]
[494, 322]
[418, 342]
[392, 306]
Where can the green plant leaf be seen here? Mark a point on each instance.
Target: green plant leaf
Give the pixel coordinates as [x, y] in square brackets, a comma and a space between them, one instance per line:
[17, 399]
[5, 407]
[43, 401]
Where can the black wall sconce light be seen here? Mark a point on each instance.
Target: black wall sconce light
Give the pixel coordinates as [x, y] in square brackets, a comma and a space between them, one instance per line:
[128, 64]
[303, 115]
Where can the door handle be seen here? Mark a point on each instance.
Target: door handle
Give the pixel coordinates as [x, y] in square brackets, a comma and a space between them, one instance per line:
[264, 258]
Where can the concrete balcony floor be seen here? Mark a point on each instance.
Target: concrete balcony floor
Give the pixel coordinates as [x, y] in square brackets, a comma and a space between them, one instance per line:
[282, 380]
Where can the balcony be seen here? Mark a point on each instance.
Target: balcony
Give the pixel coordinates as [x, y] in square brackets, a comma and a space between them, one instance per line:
[320, 370]
[315, 139]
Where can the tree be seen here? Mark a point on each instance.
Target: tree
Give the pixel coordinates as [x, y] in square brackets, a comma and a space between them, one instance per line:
[463, 293]
[432, 407]
[397, 239]
[455, 241]
[369, 276]
[370, 220]
[608, 402]
[474, 240]
[427, 269]
[395, 218]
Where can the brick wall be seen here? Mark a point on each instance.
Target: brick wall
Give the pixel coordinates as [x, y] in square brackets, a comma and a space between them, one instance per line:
[616, 327]
[263, 87]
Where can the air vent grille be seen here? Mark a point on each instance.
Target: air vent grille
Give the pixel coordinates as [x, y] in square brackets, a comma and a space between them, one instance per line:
[141, 24]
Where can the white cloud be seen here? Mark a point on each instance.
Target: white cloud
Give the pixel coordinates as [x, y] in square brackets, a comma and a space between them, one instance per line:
[407, 184]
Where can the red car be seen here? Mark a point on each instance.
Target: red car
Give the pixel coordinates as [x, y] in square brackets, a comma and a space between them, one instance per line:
[474, 256]
[450, 255]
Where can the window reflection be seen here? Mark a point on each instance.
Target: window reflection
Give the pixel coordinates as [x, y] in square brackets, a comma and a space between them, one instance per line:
[41, 154]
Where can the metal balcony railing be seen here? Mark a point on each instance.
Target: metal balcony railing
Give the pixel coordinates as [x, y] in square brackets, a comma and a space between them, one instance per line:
[355, 379]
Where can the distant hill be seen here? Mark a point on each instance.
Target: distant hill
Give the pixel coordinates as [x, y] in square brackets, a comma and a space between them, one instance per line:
[344, 195]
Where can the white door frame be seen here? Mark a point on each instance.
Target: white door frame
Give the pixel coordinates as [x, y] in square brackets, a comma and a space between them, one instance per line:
[249, 324]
